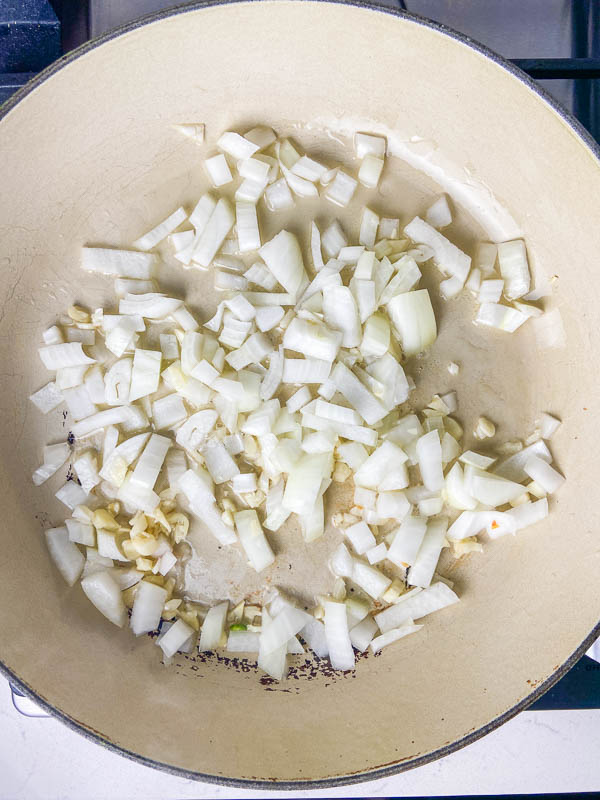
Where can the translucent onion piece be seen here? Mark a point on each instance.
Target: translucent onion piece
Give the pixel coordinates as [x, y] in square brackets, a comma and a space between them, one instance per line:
[448, 257]
[104, 592]
[414, 321]
[147, 607]
[66, 555]
[514, 269]
[337, 636]
[161, 231]
[123, 263]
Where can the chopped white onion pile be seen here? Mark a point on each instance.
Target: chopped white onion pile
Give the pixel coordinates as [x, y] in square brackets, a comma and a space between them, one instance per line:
[246, 420]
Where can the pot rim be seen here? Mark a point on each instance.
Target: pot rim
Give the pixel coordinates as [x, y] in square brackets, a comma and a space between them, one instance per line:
[410, 763]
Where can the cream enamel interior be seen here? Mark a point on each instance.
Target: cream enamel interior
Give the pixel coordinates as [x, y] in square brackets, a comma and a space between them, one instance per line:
[89, 157]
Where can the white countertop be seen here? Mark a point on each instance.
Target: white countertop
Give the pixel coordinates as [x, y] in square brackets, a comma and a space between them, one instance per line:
[538, 751]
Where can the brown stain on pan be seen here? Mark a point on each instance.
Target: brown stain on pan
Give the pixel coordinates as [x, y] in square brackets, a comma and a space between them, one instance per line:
[303, 668]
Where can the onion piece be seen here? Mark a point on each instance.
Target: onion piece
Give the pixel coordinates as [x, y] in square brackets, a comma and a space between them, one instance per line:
[247, 227]
[272, 379]
[262, 136]
[219, 463]
[359, 397]
[253, 540]
[122, 337]
[254, 168]
[512, 467]
[218, 170]
[476, 459]
[362, 634]
[502, 317]
[543, 474]
[117, 382]
[202, 504]
[414, 321]
[278, 196]
[298, 399]
[242, 642]
[490, 291]
[525, 515]
[168, 411]
[384, 469]
[47, 398]
[341, 314]
[354, 433]
[366, 144]
[283, 257]
[415, 605]
[315, 247]
[125, 286]
[333, 239]
[455, 491]
[268, 317]
[176, 466]
[305, 370]
[393, 635]
[66, 556]
[53, 335]
[86, 469]
[145, 374]
[370, 579]
[185, 319]
[72, 495]
[360, 537]
[337, 636]
[94, 384]
[429, 455]
[284, 626]
[103, 591]
[514, 269]
[439, 214]
[313, 634]
[406, 278]
[192, 131]
[218, 226]
[304, 482]
[492, 490]
[421, 572]
[123, 263]
[308, 169]
[150, 462]
[298, 185]
[81, 532]
[238, 147]
[341, 189]
[199, 219]
[59, 356]
[213, 627]
[161, 231]
[169, 346]
[448, 257]
[147, 607]
[175, 638]
[407, 541]
[151, 306]
[274, 664]
[549, 425]
[370, 171]
[54, 457]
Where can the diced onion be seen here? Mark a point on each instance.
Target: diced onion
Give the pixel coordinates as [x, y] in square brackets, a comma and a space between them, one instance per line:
[247, 442]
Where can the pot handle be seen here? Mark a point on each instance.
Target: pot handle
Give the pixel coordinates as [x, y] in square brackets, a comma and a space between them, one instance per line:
[24, 705]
